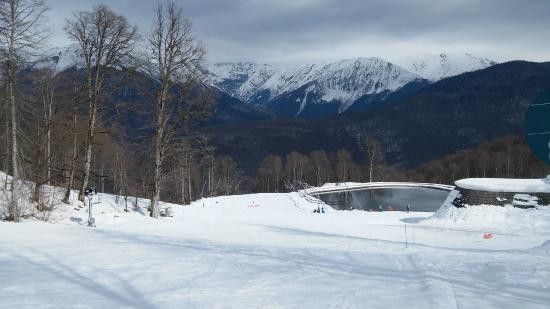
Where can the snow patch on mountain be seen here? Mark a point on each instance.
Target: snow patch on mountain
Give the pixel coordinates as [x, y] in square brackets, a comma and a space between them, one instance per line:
[60, 58]
[437, 67]
[348, 80]
[240, 80]
[303, 103]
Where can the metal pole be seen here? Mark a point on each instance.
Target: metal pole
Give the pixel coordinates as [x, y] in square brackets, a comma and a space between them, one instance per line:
[406, 239]
[89, 211]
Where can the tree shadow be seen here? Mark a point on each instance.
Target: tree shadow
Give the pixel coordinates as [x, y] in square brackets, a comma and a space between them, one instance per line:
[128, 295]
[412, 219]
[356, 265]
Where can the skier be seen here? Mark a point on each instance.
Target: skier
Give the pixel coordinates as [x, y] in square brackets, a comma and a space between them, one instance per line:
[408, 207]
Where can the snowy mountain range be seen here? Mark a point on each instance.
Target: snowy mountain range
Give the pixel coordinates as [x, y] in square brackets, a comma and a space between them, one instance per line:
[317, 89]
[342, 82]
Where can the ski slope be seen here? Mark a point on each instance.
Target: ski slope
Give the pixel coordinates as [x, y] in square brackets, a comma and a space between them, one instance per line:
[272, 251]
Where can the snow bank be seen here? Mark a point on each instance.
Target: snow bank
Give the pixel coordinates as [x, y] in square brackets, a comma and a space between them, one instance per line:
[266, 203]
[507, 218]
[543, 249]
[506, 185]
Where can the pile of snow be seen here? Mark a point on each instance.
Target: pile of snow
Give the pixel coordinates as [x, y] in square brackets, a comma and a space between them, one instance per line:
[543, 249]
[506, 185]
[525, 201]
[504, 219]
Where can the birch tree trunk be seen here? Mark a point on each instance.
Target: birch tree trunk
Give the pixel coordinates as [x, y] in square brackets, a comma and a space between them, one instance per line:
[104, 38]
[13, 107]
[89, 137]
[21, 32]
[189, 183]
[13, 121]
[74, 156]
[158, 149]
[172, 58]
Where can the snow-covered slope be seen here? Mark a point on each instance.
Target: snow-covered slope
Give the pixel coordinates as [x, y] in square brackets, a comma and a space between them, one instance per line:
[62, 58]
[240, 80]
[344, 81]
[59, 58]
[272, 251]
[436, 67]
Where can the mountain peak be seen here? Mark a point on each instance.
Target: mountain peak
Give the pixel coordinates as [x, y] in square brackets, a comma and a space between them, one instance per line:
[436, 67]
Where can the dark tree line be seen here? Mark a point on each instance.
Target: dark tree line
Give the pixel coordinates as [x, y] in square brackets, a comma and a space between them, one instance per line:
[279, 174]
[505, 157]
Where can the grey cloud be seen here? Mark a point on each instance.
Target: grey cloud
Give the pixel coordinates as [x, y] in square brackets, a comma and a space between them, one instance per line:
[309, 30]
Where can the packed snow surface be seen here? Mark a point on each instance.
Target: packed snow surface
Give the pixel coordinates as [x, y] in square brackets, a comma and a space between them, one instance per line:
[271, 250]
[506, 185]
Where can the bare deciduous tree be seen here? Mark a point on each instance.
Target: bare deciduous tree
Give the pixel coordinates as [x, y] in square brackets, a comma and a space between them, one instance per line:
[43, 159]
[74, 148]
[105, 38]
[270, 171]
[173, 60]
[321, 166]
[343, 165]
[228, 178]
[21, 32]
[373, 156]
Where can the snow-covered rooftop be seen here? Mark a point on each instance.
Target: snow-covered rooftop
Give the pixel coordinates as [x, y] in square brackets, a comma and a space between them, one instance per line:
[506, 185]
[345, 186]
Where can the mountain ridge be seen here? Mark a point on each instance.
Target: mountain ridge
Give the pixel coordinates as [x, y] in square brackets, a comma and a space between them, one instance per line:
[341, 83]
[317, 89]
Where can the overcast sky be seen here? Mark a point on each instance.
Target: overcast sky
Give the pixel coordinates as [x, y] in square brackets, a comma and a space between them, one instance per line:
[292, 31]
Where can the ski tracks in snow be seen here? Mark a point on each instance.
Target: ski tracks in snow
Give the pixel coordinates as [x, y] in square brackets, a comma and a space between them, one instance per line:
[438, 285]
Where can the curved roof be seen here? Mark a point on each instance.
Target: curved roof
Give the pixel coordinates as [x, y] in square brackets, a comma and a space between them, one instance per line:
[352, 186]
